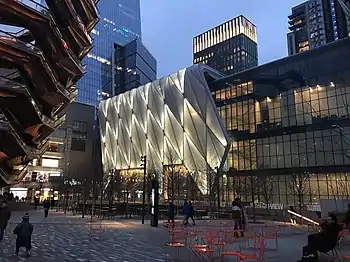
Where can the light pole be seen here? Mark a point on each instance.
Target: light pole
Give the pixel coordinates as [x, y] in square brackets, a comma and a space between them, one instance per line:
[218, 189]
[143, 164]
[111, 190]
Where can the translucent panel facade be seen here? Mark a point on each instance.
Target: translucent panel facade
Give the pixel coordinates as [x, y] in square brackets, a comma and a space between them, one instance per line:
[172, 120]
[120, 23]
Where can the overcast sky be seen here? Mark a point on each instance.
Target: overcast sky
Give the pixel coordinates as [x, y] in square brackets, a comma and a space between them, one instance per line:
[168, 27]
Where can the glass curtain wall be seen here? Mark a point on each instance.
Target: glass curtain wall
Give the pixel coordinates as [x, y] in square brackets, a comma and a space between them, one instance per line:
[120, 23]
[322, 141]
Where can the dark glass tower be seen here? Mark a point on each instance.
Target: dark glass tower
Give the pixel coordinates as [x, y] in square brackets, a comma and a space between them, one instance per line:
[229, 48]
[133, 66]
[120, 23]
[317, 22]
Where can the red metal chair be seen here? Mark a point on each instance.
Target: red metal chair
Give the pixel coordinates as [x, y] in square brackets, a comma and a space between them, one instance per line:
[177, 245]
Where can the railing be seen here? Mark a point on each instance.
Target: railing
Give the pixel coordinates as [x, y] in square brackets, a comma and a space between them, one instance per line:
[14, 38]
[27, 149]
[4, 124]
[34, 5]
[44, 11]
[4, 176]
[29, 46]
[53, 154]
[6, 82]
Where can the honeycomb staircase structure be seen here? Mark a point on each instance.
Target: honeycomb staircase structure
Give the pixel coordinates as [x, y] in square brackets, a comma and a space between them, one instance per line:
[40, 64]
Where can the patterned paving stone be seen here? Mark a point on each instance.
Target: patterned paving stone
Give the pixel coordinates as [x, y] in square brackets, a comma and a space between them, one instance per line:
[69, 238]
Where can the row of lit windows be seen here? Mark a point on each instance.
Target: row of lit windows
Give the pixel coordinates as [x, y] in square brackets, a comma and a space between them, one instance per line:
[318, 148]
[98, 58]
[232, 28]
[203, 58]
[235, 90]
[294, 107]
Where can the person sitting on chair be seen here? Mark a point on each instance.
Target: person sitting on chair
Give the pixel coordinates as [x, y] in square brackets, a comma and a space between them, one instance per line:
[324, 241]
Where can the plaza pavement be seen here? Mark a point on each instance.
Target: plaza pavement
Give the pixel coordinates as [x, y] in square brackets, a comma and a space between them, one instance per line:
[68, 238]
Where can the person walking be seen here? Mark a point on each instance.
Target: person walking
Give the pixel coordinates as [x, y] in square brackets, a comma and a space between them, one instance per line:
[190, 213]
[293, 220]
[171, 213]
[237, 216]
[36, 202]
[24, 231]
[185, 212]
[5, 215]
[347, 217]
[46, 205]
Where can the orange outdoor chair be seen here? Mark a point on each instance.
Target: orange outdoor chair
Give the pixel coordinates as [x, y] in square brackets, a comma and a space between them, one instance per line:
[203, 251]
[243, 257]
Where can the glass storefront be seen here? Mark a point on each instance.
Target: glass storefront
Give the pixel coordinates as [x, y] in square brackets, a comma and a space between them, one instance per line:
[291, 137]
[304, 188]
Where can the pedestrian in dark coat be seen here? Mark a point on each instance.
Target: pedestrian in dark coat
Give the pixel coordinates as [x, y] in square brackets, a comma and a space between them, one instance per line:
[190, 213]
[46, 205]
[171, 213]
[24, 231]
[185, 212]
[5, 215]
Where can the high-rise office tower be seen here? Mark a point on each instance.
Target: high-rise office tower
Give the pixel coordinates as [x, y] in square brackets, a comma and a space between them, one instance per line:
[120, 23]
[317, 22]
[229, 48]
[132, 66]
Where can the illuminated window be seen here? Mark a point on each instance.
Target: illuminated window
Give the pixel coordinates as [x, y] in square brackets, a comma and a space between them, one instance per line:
[98, 58]
[95, 32]
[47, 162]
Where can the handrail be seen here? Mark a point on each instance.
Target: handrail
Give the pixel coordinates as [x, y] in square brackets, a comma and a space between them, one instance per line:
[8, 35]
[34, 5]
[38, 151]
[14, 73]
[54, 122]
[302, 217]
[4, 124]
[55, 31]
[4, 176]
[9, 81]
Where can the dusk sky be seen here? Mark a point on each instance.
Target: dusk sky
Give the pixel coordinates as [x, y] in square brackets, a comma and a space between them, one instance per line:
[168, 27]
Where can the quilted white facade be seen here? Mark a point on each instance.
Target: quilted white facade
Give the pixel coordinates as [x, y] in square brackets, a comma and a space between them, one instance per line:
[172, 121]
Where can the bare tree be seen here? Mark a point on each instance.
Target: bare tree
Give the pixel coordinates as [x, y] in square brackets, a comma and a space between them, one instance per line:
[299, 186]
[241, 186]
[211, 187]
[173, 178]
[264, 188]
[338, 186]
[344, 186]
[192, 189]
[169, 181]
[332, 189]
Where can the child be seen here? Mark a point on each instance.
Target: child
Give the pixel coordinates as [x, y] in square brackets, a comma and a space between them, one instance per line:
[24, 232]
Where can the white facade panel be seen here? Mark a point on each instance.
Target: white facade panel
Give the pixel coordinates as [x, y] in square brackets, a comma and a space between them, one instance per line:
[172, 120]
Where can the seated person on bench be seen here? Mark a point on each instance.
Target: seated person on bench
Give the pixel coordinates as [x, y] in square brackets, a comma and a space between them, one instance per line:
[324, 241]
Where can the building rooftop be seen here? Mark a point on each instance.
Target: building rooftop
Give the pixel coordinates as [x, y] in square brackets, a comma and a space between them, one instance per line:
[229, 29]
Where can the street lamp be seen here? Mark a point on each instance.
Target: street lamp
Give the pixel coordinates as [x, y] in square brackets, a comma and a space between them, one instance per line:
[218, 188]
[144, 164]
[111, 190]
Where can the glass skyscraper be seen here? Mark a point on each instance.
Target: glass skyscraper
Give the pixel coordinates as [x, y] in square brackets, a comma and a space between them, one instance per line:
[120, 23]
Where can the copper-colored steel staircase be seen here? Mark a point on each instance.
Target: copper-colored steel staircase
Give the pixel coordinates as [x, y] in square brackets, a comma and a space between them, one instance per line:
[39, 67]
